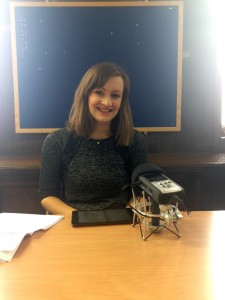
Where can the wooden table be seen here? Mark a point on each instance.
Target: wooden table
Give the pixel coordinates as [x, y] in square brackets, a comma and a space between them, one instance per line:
[113, 262]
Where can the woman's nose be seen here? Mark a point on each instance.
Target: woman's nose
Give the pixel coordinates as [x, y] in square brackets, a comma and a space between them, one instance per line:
[107, 100]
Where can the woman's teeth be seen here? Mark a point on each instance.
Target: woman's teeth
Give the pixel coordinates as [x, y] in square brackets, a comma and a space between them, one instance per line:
[104, 109]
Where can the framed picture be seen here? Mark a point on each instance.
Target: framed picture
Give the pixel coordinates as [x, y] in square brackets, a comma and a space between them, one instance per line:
[54, 43]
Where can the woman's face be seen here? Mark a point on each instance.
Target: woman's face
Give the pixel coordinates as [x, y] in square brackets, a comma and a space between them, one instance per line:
[104, 103]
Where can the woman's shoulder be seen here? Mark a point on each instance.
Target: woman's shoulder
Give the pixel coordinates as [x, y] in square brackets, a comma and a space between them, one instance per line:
[138, 136]
[139, 143]
[61, 143]
[58, 138]
[62, 134]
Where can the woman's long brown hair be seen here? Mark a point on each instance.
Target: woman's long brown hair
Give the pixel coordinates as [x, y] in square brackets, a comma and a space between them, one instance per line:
[80, 120]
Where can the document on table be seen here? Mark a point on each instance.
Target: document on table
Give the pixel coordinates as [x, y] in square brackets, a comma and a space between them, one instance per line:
[14, 227]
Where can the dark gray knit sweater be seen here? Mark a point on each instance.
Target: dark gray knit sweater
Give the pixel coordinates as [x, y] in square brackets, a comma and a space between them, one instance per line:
[87, 173]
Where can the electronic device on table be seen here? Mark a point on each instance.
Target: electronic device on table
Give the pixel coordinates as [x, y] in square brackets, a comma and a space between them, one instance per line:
[102, 217]
[156, 200]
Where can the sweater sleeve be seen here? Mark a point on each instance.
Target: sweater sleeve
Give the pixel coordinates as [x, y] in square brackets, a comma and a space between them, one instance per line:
[51, 165]
[138, 150]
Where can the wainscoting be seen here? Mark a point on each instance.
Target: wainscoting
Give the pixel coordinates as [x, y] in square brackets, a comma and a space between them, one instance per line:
[201, 176]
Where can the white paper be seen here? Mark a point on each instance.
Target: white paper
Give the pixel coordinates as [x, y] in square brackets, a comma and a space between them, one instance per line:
[8, 241]
[13, 228]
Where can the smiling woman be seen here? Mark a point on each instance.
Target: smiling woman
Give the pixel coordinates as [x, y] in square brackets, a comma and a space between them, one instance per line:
[87, 164]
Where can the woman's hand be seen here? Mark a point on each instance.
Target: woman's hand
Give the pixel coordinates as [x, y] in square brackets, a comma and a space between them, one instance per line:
[56, 206]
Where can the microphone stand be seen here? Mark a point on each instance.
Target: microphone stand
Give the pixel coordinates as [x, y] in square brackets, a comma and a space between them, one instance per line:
[154, 216]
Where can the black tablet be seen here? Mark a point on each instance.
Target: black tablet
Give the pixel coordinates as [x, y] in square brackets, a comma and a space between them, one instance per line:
[102, 217]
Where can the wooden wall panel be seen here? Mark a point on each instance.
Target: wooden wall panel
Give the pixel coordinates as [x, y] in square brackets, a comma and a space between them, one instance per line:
[18, 192]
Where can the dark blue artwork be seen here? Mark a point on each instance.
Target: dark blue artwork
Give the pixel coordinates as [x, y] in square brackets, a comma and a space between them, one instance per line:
[56, 45]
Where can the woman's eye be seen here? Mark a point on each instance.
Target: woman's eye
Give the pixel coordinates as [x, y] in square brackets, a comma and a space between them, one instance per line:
[116, 96]
[98, 92]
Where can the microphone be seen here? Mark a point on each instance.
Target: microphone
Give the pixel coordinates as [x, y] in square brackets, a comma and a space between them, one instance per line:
[162, 190]
[156, 197]
[145, 169]
[152, 180]
[152, 171]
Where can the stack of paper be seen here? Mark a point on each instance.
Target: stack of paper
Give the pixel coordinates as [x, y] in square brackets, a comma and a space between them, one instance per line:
[14, 227]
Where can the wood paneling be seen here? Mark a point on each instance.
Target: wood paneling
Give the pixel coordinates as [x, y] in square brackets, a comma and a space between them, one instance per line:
[18, 191]
[201, 176]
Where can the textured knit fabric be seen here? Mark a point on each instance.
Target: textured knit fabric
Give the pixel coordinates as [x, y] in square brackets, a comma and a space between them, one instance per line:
[87, 173]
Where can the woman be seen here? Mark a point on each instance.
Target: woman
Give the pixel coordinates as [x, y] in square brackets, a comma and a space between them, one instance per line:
[87, 164]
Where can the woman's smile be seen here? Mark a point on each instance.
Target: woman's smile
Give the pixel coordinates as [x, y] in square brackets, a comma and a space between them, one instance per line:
[104, 110]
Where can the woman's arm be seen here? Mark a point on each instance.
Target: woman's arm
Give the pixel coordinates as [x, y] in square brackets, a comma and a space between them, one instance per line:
[56, 206]
[138, 150]
[51, 172]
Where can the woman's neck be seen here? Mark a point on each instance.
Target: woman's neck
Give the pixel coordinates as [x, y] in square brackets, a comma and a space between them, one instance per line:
[101, 132]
